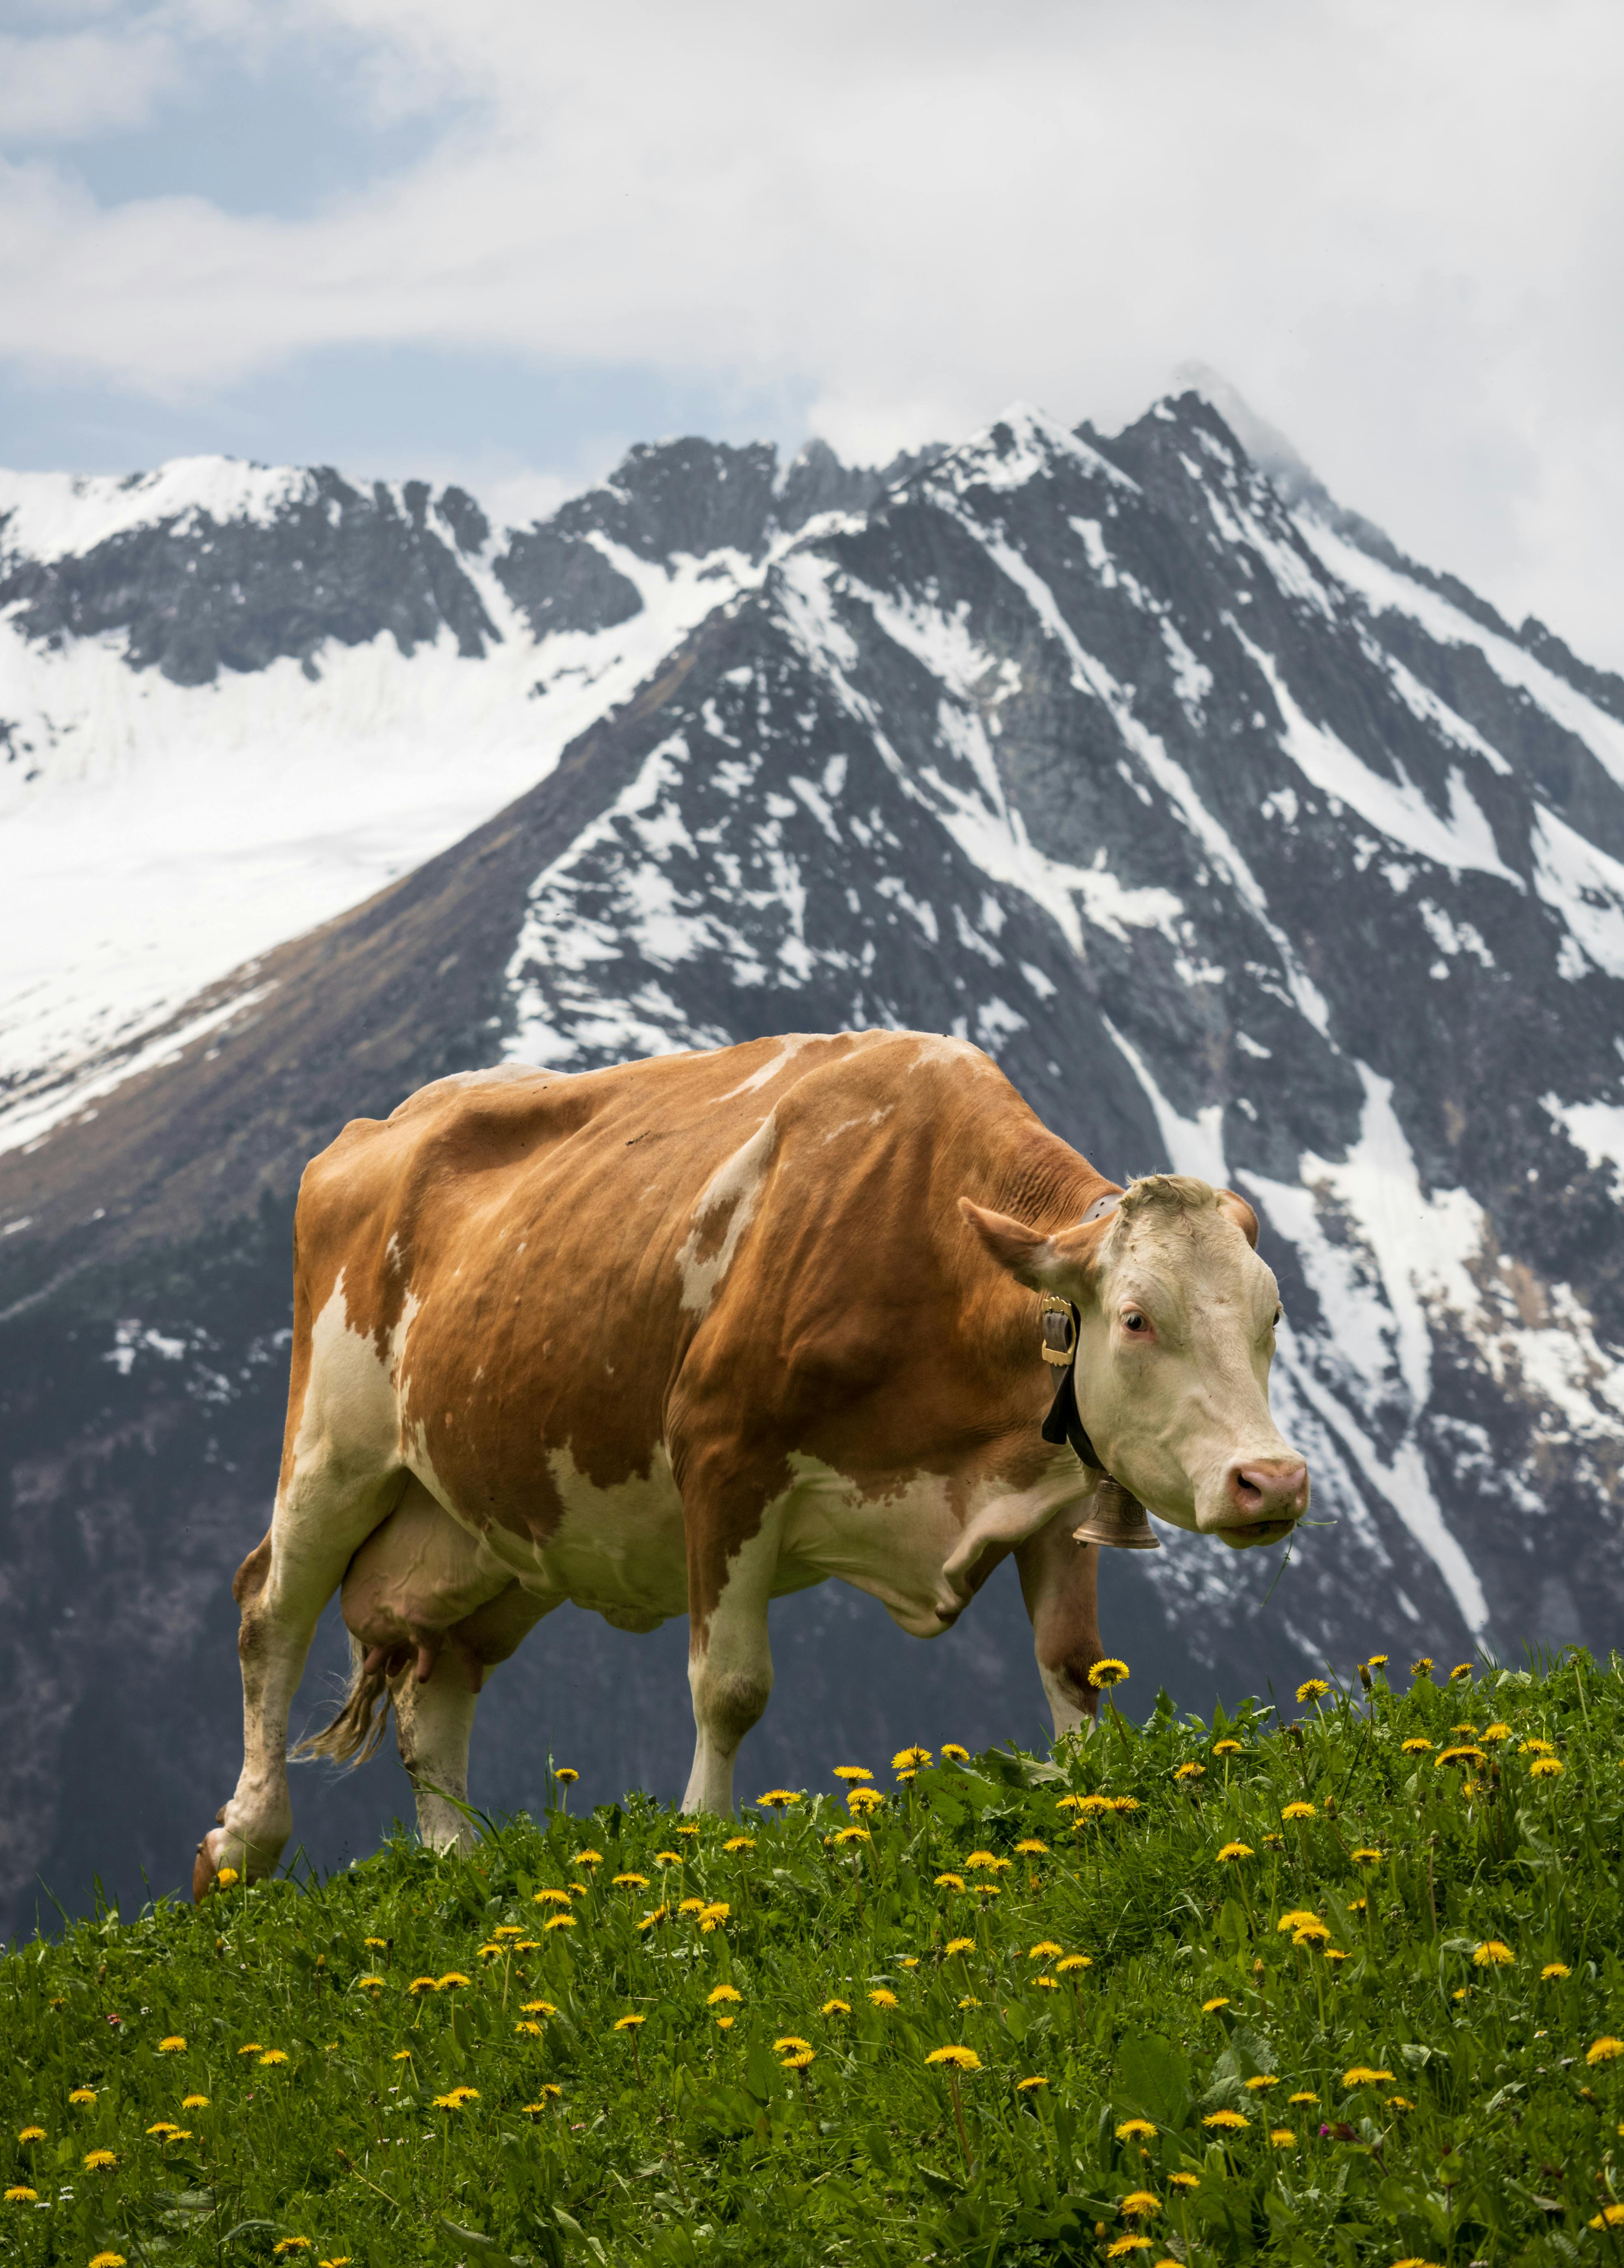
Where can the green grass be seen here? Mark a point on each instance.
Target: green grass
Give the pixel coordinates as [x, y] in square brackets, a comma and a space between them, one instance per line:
[1490, 2134]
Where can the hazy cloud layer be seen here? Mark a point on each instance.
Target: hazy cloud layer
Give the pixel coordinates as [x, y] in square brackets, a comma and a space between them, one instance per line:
[1394, 227]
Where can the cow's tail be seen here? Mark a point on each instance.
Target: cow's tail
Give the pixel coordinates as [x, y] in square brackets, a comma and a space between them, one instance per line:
[357, 1732]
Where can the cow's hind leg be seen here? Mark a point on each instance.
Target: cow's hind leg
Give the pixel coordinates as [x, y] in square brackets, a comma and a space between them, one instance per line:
[729, 1657]
[282, 1588]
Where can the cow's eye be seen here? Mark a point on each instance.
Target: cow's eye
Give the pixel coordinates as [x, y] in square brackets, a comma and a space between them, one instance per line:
[1133, 1321]
[1279, 1315]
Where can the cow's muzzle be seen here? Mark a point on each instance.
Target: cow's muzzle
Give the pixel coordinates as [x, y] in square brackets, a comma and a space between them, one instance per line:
[1264, 1499]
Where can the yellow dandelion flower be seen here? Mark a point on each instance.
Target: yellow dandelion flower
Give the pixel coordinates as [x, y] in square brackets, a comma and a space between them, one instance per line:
[1229, 2121]
[631, 1881]
[1283, 2137]
[1302, 2095]
[32, 2134]
[910, 1760]
[1312, 1689]
[1124, 1803]
[1123, 2245]
[800, 2060]
[558, 1921]
[1553, 1969]
[1492, 1955]
[173, 2045]
[19, 2193]
[1610, 2216]
[103, 2259]
[88, 2093]
[1029, 1847]
[961, 2059]
[369, 1984]
[836, 2008]
[779, 1797]
[402, 2055]
[1379, 1661]
[1211, 2007]
[1547, 1768]
[226, 1877]
[790, 2040]
[1042, 1949]
[1367, 1857]
[1185, 2181]
[739, 1843]
[1461, 1669]
[1605, 2050]
[1263, 2082]
[552, 1898]
[163, 2127]
[1234, 1851]
[194, 2102]
[1133, 2129]
[1399, 2102]
[969, 2001]
[1416, 1746]
[952, 1754]
[491, 1952]
[274, 2056]
[528, 2027]
[949, 1881]
[722, 1992]
[1073, 1962]
[1138, 2203]
[1536, 1748]
[957, 1945]
[883, 1999]
[1311, 1931]
[1458, 1756]
[690, 1830]
[291, 2244]
[1106, 1672]
[852, 1771]
[1361, 2074]
[650, 1919]
[341, 2260]
[1226, 1748]
[1190, 1771]
[1046, 1984]
[1495, 1734]
[714, 1916]
[417, 1985]
[1025, 2086]
[668, 1858]
[844, 1835]
[629, 2023]
[592, 1859]
[97, 2161]
[725, 2023]
[1300, 1811]
[1421, 1667]
[451, 1979]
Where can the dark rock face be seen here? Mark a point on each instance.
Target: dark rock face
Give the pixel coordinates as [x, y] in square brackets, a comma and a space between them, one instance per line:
[1246, 846]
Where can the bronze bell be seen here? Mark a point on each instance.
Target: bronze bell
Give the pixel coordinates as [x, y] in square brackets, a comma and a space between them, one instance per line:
[1116, 1518]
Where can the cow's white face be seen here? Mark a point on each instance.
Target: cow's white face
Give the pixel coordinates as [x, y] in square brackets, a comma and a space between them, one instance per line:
[1178, 1316]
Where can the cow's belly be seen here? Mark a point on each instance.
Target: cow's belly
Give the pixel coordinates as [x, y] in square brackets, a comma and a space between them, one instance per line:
[618, 1551]
[923, 1547]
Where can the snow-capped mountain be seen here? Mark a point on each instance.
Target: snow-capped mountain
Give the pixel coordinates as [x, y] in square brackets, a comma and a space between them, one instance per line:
[1246, 845]
[235, 698]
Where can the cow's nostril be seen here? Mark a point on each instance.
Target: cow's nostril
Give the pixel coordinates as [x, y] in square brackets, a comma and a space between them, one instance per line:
[1276, 1487]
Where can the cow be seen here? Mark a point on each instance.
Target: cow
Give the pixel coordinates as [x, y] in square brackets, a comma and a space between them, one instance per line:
[684, 1335]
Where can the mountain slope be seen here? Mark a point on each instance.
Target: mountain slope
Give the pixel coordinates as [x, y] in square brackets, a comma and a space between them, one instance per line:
[1244, 845]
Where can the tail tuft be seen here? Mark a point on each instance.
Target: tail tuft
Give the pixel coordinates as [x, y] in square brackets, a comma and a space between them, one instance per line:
[357, 1731]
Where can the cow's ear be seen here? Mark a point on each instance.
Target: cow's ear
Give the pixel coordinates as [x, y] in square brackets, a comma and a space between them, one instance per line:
[1235, 1208]
[1029, 1254]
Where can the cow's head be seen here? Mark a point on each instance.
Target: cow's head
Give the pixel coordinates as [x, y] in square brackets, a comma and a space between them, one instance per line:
[1177, 1334]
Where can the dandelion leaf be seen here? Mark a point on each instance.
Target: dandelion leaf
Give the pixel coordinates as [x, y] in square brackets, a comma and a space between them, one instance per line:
[1154, 2078]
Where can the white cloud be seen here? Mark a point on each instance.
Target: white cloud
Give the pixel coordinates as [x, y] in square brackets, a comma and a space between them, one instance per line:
[1394, 228]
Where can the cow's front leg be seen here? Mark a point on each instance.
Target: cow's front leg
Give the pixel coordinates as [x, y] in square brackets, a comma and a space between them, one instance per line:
[1060, 1579]
[730, 1659]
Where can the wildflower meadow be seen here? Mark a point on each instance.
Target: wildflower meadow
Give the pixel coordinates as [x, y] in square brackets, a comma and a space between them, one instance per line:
[1343, 1988]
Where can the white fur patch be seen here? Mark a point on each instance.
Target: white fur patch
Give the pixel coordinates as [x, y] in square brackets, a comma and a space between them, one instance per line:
[736, 1181]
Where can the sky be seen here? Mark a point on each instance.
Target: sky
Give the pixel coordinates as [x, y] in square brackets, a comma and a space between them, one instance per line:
[498, 241]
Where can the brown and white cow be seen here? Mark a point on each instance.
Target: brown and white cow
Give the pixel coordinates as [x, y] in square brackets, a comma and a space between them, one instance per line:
[683, 1336]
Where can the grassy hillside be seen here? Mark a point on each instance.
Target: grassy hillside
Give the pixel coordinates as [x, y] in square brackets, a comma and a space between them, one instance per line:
[1344, 1990]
